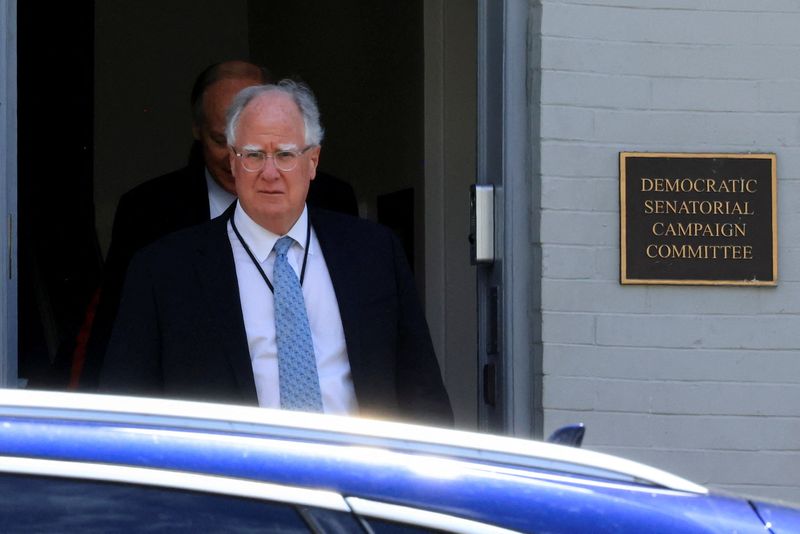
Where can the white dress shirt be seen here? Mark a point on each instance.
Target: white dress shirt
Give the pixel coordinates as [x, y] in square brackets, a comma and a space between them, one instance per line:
[218, 198]
[327, 334]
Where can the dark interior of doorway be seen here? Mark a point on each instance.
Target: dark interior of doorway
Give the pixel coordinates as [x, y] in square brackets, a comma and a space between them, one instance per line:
[59, 260]
[365, 63]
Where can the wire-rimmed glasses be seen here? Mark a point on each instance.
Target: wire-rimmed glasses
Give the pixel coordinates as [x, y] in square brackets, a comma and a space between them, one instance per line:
[284, 160]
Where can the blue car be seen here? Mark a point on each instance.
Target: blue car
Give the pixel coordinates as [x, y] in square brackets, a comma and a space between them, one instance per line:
[91, 463]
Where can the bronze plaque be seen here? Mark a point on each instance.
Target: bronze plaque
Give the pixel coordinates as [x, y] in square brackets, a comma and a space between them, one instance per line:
[704, 219]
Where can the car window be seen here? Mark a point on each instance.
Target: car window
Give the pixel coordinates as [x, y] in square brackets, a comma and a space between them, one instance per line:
[390, 527]
[43, 504]
[331, 521]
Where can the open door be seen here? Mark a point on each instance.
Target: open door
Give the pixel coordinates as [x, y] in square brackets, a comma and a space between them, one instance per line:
[450, 139]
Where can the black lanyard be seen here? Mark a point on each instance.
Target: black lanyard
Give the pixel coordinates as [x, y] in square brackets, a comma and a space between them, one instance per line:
[255, 262]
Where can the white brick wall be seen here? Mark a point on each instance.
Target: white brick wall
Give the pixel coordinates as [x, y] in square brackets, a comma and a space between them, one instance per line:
[703, 381]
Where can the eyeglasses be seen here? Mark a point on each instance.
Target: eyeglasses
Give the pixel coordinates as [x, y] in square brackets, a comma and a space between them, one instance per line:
[284, 160]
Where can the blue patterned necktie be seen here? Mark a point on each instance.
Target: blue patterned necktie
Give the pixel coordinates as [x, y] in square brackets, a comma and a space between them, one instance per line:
[297, 366]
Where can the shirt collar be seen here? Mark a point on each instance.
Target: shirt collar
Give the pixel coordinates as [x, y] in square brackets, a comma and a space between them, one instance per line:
[260, 240]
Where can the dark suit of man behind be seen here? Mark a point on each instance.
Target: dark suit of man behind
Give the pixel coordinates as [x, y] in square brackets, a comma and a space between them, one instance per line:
[181, 329]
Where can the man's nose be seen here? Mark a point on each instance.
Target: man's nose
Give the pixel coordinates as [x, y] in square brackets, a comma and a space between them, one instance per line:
[270, 170]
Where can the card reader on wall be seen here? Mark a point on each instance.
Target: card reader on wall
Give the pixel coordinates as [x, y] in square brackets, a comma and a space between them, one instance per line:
[481, 221]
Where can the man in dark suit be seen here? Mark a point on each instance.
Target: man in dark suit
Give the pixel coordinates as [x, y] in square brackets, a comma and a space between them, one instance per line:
[198, 317]
[186, 197]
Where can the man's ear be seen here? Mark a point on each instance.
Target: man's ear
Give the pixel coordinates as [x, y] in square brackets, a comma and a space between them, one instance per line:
[313, 158]
[232, 159]
[195, 131]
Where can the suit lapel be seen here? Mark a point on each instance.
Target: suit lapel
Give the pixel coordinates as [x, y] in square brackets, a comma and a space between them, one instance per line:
[220, 291]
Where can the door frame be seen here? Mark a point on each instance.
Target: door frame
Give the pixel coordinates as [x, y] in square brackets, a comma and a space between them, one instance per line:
[8, 193]
[508, 81]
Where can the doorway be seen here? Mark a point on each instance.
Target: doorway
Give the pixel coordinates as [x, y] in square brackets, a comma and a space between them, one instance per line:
[397, 91]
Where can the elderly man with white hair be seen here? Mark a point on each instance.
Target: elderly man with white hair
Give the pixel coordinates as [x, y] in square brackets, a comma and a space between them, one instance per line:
[273, 303]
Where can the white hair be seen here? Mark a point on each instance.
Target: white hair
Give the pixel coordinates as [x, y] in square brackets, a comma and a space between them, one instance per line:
[299, 92]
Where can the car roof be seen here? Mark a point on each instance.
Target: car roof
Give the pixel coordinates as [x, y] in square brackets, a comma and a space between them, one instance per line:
[498, 450]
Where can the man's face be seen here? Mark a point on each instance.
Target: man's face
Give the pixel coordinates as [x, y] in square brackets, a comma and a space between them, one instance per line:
[273, 198]
[211, 133]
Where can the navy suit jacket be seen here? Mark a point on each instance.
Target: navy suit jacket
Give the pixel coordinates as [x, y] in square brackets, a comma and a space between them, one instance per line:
[180, 330]
[157, 208]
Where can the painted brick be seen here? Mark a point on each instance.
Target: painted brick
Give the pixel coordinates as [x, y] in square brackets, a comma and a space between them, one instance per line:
[596, 90]
[649, 331]
[596, 296]
[696, 432]
[596, 194]
[607, 262]
[788, 193]
[691, 300]
[788, 163]
[579, 228]
[669, 26]
[721, 331]
[771, 468]
[725, 128]
[599, 395]
[565, 394]
[567, 262]
[789, 493]
[782, 400]
[789, 225]
[607, 429]
[690, 6]
[561, 327]
[663, 364]
[672, 398]
[559, 122]
[705, 95]
[693, 379]
[608, 296]
[579, 159]
[736, 61]
[725, 433]
[779, 95]
[779, 28]
[785, 299]
[762, 332]
[788, 268]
